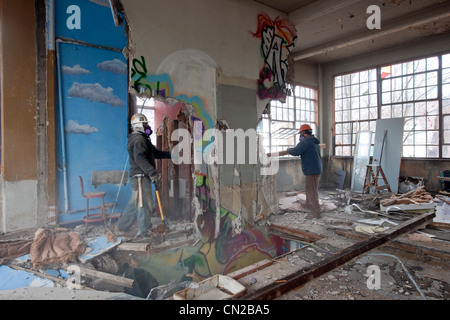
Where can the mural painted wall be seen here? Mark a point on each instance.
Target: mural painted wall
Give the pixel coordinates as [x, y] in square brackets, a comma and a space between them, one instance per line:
[210, 256]
[92, 104]
[163, 68]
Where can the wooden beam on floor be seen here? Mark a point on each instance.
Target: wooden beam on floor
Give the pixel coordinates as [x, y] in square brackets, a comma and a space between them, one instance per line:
[110, 278]
[250, 269]
[302, 276]
[293, 233]
[428, 249]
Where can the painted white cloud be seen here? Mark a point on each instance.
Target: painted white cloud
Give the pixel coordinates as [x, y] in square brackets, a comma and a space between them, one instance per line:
[95, 92]
[75, 70]
[115, 66]
[73, 127]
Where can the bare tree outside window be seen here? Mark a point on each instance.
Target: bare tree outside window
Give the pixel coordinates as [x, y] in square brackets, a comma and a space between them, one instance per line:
[281, 121]
[417, 90]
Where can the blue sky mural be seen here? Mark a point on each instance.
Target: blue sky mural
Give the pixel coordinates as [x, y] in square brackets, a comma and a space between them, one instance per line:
[90, 21]
[93, 94]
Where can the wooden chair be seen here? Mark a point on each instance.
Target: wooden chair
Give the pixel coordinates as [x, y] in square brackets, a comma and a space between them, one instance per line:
[92, 195]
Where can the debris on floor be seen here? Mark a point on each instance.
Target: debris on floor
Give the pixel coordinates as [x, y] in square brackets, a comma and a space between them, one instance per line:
[109, 262]
[55, 246]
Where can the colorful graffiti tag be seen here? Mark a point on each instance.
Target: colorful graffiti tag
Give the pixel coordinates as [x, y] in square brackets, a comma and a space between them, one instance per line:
[226, 253]
[152, 85]
[277, 41]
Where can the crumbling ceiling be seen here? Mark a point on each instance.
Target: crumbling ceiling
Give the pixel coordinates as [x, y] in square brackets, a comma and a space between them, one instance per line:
[331, 30]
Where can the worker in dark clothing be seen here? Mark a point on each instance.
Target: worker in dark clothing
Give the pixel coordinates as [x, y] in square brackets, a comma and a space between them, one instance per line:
[142, 154]
[309, 151]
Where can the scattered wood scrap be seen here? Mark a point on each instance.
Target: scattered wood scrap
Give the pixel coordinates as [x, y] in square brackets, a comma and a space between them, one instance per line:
[110, 278]
[416, 196]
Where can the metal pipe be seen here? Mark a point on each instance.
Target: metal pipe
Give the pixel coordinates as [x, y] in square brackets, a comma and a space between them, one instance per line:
[61, 120]
[404, 268]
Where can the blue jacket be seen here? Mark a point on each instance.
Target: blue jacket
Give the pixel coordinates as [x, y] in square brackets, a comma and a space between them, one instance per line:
[309, 151]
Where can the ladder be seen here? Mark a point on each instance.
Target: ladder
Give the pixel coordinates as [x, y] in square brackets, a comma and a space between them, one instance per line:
[372, 177]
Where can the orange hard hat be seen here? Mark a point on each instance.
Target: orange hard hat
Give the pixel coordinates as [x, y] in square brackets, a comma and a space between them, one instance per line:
[304, 127]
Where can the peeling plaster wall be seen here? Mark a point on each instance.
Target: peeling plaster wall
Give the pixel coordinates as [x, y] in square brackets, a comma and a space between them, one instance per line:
[19, 201]
[205, 53]
[18, 115]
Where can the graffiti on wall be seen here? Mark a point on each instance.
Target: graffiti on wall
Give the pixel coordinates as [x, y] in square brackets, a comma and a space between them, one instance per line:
[200, 115]
[161, 85]
[277, 41]
[212, 255]
[144, 83]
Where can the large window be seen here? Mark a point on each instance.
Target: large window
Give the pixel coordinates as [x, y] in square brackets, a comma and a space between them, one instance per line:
[281, 121]
[418, 91]
[355, 108]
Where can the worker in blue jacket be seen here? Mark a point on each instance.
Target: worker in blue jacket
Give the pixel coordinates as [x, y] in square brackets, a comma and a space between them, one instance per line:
[309, 151]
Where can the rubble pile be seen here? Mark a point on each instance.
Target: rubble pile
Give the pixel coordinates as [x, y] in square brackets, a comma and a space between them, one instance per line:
[416, 196]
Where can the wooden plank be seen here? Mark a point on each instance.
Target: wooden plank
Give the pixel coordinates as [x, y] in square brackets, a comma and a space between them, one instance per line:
[425, 250]
[121, 281]
[59, 281]
[302, 276]
[250, 269]
[130, 246]
[297, 234]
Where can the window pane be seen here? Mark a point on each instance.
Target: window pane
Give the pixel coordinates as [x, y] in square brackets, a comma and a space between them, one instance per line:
[409, 89]
[446, 151]
[432, 152]
[446, 61]
[432, 63]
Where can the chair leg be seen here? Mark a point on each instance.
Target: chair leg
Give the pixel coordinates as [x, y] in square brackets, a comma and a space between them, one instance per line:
[87, 213]
[103, 211]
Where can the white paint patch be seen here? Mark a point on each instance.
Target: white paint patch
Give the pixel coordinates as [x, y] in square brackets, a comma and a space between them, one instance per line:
[19, 209]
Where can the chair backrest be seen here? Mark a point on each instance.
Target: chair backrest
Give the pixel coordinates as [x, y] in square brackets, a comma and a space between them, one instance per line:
[81, 186]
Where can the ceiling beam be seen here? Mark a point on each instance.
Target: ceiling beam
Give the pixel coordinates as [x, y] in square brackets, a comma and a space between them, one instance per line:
[422, 17]
[318, 9]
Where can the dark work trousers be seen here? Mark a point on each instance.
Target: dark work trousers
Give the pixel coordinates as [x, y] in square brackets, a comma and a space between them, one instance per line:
[312, 194]
[132, 212]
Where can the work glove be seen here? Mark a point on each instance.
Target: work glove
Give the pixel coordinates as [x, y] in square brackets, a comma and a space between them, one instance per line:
[154, 178]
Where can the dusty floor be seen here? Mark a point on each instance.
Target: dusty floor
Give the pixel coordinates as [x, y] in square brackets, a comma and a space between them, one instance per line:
[351, 281]
[426, 276]
[378, 274]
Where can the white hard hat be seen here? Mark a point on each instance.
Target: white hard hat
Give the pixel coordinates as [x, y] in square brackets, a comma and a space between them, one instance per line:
[138, 118]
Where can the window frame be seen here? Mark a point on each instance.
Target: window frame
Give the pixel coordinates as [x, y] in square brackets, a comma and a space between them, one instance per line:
[302, 100]
[439, 100]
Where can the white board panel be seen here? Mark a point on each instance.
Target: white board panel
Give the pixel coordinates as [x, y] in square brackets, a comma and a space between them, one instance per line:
[391, 153]
[361, 159]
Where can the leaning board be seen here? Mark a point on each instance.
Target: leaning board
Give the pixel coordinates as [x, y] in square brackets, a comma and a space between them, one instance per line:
[392, 151]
